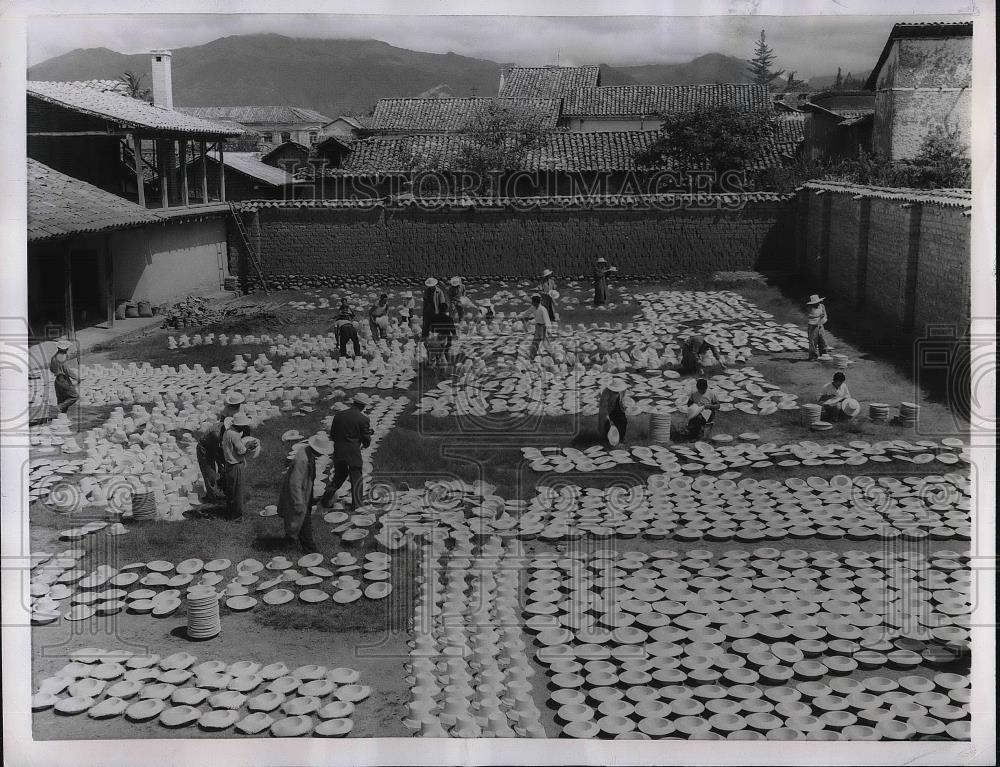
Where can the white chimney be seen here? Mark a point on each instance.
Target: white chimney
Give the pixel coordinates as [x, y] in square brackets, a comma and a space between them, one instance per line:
[163, 87]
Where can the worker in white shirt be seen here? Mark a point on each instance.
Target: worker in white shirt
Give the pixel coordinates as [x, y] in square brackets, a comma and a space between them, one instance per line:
[836, 400]
[539, 315]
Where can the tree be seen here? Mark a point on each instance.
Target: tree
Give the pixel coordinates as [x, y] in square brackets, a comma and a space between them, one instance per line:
[498, 137]
[134, 86]
[791, 84]
[838, 84]
[718, 138]
[759, 67]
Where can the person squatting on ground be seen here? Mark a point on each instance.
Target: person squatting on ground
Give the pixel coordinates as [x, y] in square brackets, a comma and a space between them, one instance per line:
[295, 504]
[456, 292]
[694, 350]
[816, 327]
[539, 316]
[434, 304]
[836, 400]
[378, 318]
[236, 445]
[611, 412]
[65, 379]
[347, 331]
[601, 272]
[702, 406]
[350, 431]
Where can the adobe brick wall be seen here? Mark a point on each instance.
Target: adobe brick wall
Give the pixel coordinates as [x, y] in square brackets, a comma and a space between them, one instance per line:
[327, 244]
[909, 266]
[943, 271]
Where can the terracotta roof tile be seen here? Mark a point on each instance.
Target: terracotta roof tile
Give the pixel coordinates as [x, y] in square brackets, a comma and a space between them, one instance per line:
[628, 100]
[547, 82]
[254, 114]
[125, 110]
[955, 198]
[60, 205]
[445, 115]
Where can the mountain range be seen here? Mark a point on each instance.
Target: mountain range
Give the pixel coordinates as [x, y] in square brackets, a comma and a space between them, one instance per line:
[340, 76]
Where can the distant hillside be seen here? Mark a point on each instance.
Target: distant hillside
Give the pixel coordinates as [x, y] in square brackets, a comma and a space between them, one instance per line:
[331, 76]
[344, 76]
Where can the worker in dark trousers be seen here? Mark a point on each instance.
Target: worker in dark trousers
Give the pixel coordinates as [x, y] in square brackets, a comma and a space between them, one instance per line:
[350, 431]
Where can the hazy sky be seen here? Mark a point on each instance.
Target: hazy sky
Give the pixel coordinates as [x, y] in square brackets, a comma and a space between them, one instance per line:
[810, 45]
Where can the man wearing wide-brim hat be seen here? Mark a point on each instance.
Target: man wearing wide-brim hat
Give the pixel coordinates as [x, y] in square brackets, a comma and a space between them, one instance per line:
[694, 350]
[65, 379]
[434, 303]
[815, 327]
[456, 292]
[611, 411]
[235, 448]
[548, 282]
[350, 431]
[210, 459]
[234, 400]
[295, 504]
[601, 272]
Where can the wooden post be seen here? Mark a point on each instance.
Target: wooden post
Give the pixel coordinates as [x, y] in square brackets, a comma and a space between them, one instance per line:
[68, 293]
[222, 174]
[137, 153]
[185, 192]
[109, 280]
[164, 171]
[204, 171]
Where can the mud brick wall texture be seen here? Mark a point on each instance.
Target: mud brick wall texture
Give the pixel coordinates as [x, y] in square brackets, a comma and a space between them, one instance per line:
[943, 271]
[914, 259]
[299, 246]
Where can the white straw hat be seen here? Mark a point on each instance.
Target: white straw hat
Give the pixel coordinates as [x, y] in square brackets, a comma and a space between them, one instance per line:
[321, 444]
[430, 282]
[547, 273]
[617, 385]
[455, 281]
[815, 298]
[235, 398]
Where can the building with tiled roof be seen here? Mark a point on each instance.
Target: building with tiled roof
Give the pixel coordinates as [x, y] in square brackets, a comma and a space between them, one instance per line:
[608, 151]
[922, 80]
[275, 124]
[248, 177]
[547, 81]
[399, 116]
[124, 111]
[624, 107]
[60, 206]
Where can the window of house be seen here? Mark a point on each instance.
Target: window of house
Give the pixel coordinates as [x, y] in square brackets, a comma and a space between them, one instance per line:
[313, 136]
[285, 136]
[267, 138]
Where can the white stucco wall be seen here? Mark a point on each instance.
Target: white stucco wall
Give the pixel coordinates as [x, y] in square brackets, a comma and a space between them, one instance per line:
[165, 262]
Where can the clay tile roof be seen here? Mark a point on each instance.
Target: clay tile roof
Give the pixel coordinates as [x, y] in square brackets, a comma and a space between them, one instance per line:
[548, 82]
[627, 100]
[954, 198]
[114, 86]
[249, 164]
[124, 110]
[60, 205]
[444, 115]
[565, 151]
[789, 128]
[264, 115]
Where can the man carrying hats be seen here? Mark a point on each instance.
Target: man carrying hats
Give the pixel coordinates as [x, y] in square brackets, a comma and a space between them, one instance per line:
[235, 448]
[693, 352]
[347, 330]
[548, 283]
[65, 379]
[350, 431]
[816, 322]
[601, 272]
[295, 504]
[836, 400]
[434, 304]
[702, 406]
[539, 317]
[456, 292]
[234, 400]
[611, 412]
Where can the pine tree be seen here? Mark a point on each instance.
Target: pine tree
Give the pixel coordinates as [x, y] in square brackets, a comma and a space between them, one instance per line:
[759, 67]
[791, 84]
[839, 82]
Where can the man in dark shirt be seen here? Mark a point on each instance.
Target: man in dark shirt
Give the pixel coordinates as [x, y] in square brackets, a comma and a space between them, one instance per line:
[350, 432]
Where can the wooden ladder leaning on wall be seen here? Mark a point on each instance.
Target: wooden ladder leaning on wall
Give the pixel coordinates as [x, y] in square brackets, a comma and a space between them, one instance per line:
[251, 252]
